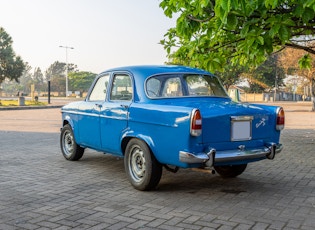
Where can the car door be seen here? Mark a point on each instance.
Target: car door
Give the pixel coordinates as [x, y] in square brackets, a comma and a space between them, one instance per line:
[89, 114]
[114, 113]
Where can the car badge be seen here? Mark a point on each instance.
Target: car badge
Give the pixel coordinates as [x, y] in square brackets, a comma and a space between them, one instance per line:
[261, 123]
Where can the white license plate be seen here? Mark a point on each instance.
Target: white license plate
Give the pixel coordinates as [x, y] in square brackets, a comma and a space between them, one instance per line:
[241, 128]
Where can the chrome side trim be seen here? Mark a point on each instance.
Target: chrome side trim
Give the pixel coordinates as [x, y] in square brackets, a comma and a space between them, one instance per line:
[80, 113]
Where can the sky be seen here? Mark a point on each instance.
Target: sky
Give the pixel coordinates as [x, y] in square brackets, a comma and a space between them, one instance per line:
[103, 33]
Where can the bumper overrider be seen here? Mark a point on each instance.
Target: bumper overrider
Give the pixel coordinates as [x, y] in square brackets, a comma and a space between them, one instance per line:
[211, 156]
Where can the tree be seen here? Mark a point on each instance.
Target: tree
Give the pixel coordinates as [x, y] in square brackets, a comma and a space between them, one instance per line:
[231, 74]
[267, 76]
[38, 80]
[56, 75]
[11, 66]
[26, 80]
[22, 86]
[299, 62]
[81, 81]
[209, 33]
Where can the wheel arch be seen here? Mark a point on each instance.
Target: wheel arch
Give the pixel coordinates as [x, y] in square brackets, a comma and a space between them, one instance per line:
[146, 139]
[70, 149]
[68, 121]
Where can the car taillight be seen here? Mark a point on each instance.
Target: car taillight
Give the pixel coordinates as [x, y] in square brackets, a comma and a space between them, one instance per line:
[280, 119]
[196, 123]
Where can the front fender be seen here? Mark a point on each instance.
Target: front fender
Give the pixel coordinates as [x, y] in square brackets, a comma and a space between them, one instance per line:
[66, 119]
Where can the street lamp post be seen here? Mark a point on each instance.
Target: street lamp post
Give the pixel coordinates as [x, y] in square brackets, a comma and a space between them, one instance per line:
[66, 47]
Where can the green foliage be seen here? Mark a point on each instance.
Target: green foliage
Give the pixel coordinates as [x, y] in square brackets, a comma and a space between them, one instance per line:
[78, 80]
[267, 76]
[38, 80]
[81, 81]
[56, 73]
[25, 81]
[211, 33]
[305, 62]
[231, 75]
[11, 66]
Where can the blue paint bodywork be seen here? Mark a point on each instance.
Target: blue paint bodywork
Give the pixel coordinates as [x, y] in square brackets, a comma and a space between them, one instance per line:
[164, 123]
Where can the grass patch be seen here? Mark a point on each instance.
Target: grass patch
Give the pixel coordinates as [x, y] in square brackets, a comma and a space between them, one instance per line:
[15, 103]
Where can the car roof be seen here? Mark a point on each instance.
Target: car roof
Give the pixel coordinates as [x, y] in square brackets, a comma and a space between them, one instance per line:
[149, 70]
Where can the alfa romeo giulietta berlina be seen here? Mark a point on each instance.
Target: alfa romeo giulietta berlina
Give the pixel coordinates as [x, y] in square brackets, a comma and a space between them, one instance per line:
[172, 117]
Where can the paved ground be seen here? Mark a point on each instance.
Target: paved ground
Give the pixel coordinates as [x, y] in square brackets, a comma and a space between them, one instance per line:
[41, 190]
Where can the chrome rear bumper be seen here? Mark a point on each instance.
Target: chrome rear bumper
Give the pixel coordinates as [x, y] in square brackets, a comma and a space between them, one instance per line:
[212, 156]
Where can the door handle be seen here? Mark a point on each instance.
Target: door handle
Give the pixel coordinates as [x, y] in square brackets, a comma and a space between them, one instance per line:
[125, 106]
[99, 106]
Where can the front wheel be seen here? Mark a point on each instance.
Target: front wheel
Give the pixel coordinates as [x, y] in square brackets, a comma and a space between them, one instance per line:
[143, 170]
[69, 148]
[228, 171]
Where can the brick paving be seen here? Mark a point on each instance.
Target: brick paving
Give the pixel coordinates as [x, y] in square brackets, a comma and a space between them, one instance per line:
[41, 190]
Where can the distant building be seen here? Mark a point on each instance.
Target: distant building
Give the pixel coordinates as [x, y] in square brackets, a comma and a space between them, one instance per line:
[235, 93]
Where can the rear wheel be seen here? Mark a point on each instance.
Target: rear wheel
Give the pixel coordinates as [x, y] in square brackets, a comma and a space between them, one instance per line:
[70, 149]
[228, 171]
[143, 170]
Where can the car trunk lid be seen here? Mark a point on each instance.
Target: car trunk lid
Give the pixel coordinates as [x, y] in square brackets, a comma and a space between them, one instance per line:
[224, 120]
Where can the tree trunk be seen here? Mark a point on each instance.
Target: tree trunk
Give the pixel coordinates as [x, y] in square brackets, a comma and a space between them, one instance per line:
[313, 93]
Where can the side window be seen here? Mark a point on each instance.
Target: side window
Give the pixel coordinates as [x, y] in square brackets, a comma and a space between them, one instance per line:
[100, 88]
[121, 88]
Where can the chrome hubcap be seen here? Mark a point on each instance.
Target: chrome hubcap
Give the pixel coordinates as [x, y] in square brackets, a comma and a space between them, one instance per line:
[137, 164]
[68, 143]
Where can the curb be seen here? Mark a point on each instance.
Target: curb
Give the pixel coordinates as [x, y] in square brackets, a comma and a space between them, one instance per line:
[30, 107]
[298, 110]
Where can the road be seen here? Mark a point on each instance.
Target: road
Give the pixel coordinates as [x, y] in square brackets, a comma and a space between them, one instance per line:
[39, 189]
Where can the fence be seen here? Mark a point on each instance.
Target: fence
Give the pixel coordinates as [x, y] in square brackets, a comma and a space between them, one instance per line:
[265, 97]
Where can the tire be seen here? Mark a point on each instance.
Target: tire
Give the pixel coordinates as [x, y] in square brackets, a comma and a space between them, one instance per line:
[143, 170]
[69, 148]
[229, 171]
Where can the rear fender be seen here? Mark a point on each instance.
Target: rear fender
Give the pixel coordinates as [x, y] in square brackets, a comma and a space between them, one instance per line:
[131, 134]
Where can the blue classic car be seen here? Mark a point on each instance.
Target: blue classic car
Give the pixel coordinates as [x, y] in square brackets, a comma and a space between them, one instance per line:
[171, 116]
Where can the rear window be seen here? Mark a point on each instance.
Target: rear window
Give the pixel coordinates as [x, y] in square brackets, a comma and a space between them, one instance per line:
[164, 86]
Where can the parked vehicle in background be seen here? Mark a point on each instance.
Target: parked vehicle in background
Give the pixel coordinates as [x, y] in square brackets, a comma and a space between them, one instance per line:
[171, 116]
